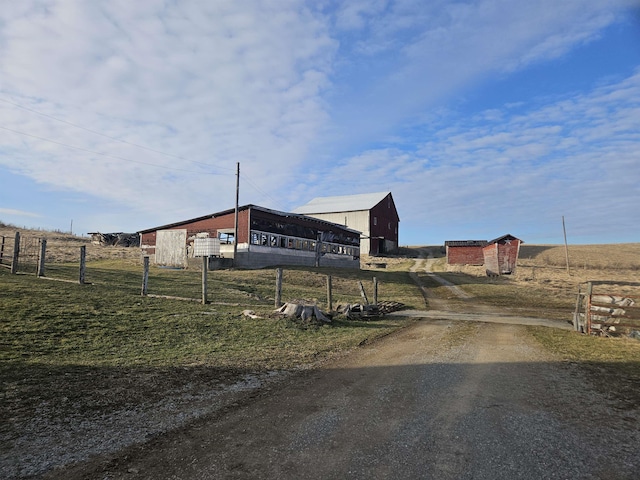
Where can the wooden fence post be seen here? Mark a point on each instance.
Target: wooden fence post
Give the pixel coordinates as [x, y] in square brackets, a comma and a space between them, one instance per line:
[2, 249]
[205, 267]
[363, 294]
[83, 263]
[16, 254]
[43, 252]
[278, 287]
[145, 275]
[329, 293]
[375, 291]
[587, 312]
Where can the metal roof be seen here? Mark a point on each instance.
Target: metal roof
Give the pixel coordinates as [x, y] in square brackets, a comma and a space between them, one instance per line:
[465, 243]
[254, 207]
[342, 203]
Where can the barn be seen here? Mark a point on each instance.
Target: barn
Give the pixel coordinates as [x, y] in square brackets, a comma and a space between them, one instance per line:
[465, 252]
[265, 238]
[373, 214]
[501, 255]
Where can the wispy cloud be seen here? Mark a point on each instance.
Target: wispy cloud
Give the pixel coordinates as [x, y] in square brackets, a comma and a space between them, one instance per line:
[18, 213]
[577, 156]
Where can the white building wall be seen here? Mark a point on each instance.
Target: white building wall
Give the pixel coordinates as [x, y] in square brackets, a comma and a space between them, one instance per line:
[355, 220]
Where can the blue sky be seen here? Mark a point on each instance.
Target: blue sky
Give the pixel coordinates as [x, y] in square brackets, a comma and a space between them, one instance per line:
[481, 117]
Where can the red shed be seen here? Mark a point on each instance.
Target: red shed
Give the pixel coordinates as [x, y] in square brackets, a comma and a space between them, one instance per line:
[501, 255]
[465, 252]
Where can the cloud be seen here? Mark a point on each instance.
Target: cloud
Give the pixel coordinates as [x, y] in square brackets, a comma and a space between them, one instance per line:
[484, 175]
[205, 81]
[422, 53]
[18, 213]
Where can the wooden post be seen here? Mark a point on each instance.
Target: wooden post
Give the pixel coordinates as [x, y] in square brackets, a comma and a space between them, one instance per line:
[329, 293]
[587, 312]
[205, 267]
[43, 252]
[145, 276]
[278, 287]
[16, 254]
[83, 263]
[363, 294]
[2, 249]
[566, 247]
[318, 249]
[576, 313]
[375, 291]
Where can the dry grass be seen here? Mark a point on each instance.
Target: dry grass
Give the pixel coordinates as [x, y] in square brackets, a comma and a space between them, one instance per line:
[542, 279]
[65, 248]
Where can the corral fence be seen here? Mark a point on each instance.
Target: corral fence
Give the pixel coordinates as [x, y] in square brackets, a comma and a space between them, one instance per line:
[602, 308]
[27, 254]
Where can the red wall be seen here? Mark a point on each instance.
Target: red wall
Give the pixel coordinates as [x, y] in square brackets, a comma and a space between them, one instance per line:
[465, 256]
[386, 214]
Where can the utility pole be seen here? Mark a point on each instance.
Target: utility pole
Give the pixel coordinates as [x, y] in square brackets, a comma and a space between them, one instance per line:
[235, 225]
[566, 247]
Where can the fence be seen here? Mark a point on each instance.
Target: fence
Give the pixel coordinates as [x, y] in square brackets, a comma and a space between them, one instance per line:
[27, 254]
[600, 311]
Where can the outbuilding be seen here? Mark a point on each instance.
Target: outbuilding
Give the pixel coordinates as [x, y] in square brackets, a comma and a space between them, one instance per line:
[465, 252]
[373, 214]
[265, 238]
[501, 255]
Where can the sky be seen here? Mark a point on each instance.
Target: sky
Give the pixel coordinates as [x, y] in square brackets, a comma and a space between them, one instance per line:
[481, 117]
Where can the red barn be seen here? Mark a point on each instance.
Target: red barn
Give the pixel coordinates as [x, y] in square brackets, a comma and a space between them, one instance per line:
[501, 255]
[465, 252]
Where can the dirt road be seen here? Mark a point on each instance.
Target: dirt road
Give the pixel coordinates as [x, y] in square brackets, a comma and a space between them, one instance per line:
[440, 400]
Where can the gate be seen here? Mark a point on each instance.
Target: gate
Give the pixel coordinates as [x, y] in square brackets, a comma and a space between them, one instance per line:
[605, 312]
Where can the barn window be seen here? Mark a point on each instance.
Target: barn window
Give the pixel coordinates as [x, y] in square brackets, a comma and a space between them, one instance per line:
[375, 220]
[255, 238]
[274, 240]
[389, 225]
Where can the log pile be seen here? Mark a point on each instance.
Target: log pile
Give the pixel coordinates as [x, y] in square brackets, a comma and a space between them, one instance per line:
[360, 311]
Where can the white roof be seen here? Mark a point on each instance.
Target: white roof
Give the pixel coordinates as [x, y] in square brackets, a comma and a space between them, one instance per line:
[343, 203]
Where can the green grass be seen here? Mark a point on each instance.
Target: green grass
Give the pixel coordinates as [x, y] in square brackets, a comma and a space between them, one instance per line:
[104, 345]
[612, 364]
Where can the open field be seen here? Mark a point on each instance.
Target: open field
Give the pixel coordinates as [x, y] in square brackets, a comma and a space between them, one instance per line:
[541, 285]
[83, 354]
